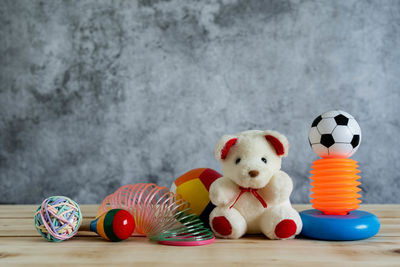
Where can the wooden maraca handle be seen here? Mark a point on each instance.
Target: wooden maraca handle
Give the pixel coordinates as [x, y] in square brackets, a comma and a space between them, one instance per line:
[85, 225]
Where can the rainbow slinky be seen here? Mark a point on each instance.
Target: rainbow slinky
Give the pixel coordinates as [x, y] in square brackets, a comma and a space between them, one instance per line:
[159, 214]
[58, 218]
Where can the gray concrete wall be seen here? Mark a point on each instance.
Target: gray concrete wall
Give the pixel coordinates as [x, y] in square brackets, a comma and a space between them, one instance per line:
[97, 94]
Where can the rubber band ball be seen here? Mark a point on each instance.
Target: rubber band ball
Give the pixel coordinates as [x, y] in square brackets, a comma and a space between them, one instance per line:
[58, 218]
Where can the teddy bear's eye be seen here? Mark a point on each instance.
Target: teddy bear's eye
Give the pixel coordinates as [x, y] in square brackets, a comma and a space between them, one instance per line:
[237, 161]
[264, 160]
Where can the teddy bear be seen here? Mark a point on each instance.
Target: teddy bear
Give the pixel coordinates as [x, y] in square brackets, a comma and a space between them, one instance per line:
[253, 194]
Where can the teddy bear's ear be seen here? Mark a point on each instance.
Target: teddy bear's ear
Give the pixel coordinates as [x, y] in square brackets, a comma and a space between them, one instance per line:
[278, 141]
[224, 145]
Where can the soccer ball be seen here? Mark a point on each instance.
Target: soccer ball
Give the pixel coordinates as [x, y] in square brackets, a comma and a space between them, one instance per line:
[335, 134]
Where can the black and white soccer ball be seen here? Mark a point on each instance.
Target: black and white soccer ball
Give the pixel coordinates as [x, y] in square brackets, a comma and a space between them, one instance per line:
[335, 134]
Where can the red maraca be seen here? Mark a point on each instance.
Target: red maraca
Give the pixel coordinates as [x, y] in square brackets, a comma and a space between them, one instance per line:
[114, 225]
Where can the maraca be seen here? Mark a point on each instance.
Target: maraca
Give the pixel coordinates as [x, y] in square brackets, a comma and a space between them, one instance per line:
[335, 136]
[114, 225]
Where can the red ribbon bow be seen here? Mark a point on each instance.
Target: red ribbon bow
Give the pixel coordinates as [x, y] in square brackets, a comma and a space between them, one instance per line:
[251, 190]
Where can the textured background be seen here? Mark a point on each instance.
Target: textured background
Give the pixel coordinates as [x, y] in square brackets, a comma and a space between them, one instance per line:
[97, 94]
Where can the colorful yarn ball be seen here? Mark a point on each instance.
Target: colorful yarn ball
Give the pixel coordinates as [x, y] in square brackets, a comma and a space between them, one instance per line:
[58, 218]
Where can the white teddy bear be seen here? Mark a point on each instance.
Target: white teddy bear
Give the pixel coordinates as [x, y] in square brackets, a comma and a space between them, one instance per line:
[253, 194]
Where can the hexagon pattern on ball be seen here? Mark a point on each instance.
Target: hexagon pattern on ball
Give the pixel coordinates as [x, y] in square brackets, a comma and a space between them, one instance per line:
[335, 134]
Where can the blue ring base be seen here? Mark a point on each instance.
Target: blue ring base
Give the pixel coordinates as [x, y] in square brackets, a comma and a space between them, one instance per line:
[356, 225]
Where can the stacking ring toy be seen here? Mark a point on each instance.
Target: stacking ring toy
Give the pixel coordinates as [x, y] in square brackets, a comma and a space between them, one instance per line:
[335, 135]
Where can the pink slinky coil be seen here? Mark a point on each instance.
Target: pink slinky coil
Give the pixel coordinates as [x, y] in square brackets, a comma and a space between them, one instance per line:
[159, 214]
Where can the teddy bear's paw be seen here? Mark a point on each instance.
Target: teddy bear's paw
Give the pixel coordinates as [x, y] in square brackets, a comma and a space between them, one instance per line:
[222, 226]
[227, 223]
[285, 229]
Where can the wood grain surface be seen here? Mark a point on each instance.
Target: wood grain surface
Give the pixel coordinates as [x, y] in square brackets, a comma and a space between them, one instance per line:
[20, 244]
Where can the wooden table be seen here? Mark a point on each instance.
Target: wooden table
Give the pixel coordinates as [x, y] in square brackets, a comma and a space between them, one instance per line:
[21, 244]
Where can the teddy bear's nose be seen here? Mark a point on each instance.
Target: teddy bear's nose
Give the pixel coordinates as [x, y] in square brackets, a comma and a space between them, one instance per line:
[253, 173]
